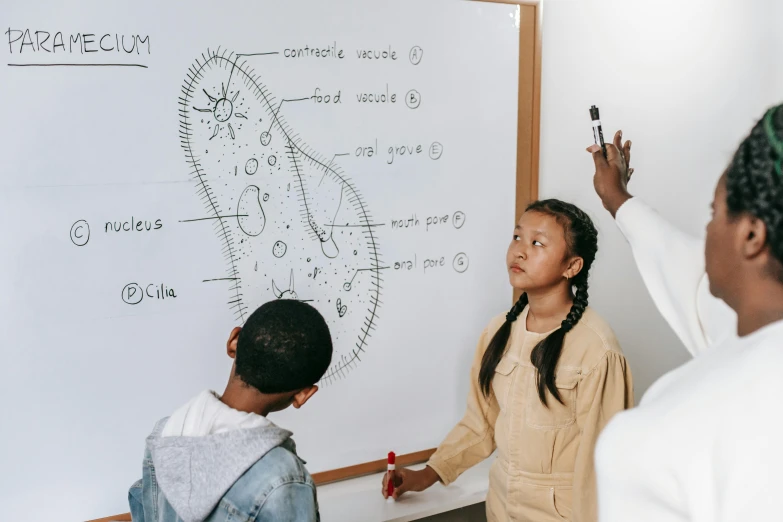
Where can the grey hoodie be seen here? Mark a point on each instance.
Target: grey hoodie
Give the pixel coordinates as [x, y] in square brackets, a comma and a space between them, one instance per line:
[256, 471]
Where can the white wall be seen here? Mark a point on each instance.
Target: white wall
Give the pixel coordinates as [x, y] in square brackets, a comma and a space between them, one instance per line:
[685, 80]
[777, 47]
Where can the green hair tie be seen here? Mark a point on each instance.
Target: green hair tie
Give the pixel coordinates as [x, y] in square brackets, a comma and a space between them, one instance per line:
[772, 136]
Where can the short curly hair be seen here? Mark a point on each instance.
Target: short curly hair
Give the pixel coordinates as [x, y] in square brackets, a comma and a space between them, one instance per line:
[754, 182]
[284, 346]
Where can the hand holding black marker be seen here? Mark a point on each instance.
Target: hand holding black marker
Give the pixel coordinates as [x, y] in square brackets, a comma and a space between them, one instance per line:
[598, 134]
[612, 170]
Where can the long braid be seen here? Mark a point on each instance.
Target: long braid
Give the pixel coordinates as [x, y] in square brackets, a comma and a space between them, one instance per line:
[546, 354]
[497, 346]
[588, 239]
[517, 309]
[579, 306]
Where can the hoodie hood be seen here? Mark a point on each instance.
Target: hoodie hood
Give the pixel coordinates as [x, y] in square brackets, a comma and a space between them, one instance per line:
[194, 473]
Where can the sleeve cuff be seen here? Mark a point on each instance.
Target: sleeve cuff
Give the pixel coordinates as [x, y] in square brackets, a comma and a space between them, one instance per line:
[627, 214]
[445, 472]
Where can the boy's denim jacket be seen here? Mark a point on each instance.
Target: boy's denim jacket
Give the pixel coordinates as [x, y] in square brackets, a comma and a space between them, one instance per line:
[251, 475]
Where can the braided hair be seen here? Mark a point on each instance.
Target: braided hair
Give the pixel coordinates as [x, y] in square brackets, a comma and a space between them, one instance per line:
[581, 240]
[754, 180]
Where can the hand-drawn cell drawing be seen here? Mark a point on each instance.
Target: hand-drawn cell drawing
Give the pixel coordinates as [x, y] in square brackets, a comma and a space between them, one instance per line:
[279, 249]
[304, 220]
[285, 294]
[251, 167]
[250, 213]
[341, 308]
[223, 109]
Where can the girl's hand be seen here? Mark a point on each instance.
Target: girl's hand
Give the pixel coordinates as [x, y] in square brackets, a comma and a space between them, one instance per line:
[612, 173]
[409, 480]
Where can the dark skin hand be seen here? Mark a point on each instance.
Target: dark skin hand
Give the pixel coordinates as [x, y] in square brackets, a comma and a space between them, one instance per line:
[737, 255]
[612, 173]
[409, 480]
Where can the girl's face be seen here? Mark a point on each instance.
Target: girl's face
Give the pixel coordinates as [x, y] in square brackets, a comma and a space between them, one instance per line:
[537, 257]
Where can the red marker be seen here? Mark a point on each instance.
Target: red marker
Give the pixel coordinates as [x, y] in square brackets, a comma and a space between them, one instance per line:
[390, 472]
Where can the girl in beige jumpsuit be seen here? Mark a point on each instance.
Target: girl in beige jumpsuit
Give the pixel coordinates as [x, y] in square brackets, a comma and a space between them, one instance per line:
[546, 378]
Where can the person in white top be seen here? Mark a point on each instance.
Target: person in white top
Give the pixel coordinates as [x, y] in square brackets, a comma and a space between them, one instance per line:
[705, 442]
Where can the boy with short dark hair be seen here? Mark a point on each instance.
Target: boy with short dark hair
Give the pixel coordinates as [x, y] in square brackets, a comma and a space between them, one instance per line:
[218, 457]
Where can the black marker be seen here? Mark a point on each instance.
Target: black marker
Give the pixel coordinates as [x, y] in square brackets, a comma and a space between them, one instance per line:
[598, 134]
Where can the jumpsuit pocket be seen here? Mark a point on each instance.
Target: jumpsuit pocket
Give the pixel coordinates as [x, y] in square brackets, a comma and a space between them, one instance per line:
[554, 414]
[561, 502]
[540, 497]
[503, 380]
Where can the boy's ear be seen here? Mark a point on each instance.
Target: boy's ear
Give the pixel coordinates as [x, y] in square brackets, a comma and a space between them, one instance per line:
[231, 344]
[304, 395]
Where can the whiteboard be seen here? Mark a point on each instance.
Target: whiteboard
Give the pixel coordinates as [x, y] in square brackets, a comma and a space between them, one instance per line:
[356, 155]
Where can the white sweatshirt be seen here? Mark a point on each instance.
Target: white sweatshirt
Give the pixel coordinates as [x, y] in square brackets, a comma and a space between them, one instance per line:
[672, 267]
[205, 415]
[705, 443]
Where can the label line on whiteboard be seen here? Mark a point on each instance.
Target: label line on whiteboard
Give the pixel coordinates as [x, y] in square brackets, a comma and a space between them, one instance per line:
[77, 65]
[214, 217]
[242, 55]
[274, 116]
[357, 226]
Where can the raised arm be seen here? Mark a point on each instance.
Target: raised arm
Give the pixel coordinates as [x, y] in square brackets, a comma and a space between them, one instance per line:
[670, 261]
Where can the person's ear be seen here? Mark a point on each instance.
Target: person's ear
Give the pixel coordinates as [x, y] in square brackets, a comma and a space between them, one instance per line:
[752, 234]
[302, 396]
[574, 267]
[231, 344]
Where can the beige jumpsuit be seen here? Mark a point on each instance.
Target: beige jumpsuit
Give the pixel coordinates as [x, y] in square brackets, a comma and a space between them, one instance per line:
[544, 468]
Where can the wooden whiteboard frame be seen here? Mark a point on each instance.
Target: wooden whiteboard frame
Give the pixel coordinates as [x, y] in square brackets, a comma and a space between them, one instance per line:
[529, 99]
[528, 138]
